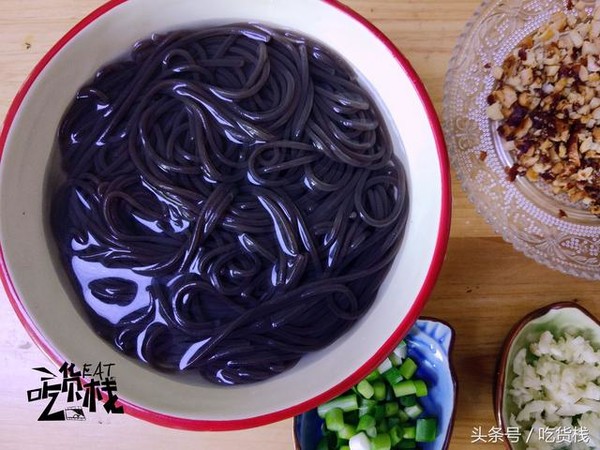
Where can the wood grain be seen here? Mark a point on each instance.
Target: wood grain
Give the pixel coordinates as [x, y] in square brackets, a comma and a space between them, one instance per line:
[484, 288]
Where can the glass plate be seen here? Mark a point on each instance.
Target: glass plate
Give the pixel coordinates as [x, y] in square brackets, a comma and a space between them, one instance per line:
[526, 214]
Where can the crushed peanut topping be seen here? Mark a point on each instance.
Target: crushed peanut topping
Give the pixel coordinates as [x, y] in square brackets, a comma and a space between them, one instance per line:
[547, 102]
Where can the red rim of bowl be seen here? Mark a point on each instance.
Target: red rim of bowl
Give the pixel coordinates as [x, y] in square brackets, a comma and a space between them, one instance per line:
[403, 327]
[507, 346]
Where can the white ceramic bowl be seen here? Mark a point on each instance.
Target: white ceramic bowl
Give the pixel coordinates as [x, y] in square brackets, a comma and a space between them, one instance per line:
[43, 299]
[558, 318]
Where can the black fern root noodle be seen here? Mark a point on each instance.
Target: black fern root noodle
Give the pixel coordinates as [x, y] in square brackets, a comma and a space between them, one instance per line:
[232, 200]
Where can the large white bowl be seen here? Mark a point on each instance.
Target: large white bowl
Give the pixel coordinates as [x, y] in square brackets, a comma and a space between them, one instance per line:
[43, 299]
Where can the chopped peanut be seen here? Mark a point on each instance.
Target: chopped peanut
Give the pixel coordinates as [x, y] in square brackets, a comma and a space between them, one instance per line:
[547, 102]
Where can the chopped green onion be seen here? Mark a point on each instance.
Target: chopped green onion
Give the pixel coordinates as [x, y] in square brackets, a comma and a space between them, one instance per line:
[409, 432]
[408, 368]
[381, 412]
[382, 427]
[408, 400]
[339, 441]
[393, 421]
[372, 376]
[365, 422]
[403, 416]
[364, 410]
[393, 375]
[396, 361]
[345, 403]
[384, 366]
[365, 389]
[414, 411]
[334, 419]
[421, 388]
[347, 431]
[360, 441]
[391, 409]
[379, 390]
[366, 407]
[368, 402]
[381, 442]
[405, 387]
[396, 434]
[401, 351]
[426, 430]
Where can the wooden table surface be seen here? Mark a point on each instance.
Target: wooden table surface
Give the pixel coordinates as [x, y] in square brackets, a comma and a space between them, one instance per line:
[484, 288]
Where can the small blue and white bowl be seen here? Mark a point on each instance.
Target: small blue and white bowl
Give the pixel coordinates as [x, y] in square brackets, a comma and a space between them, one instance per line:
[430, 345]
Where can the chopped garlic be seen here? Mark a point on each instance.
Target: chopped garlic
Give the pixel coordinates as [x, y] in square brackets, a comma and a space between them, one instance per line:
[560, 387]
